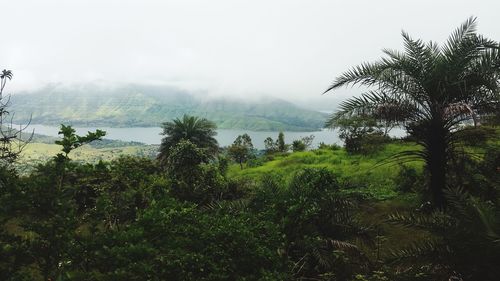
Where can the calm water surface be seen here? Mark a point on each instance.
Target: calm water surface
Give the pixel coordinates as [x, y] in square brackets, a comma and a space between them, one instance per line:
[151, 135]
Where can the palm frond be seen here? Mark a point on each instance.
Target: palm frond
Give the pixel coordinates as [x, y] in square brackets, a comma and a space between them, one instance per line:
[342, 245]
[363, 74]
[489, 221]
[402, 157]
[458, 200]
[430, 249]
[375, 104]
[473, 212]
[6, 74]
[323, 257]
[438, 221]
[233, 206]
[419, 56]
[466, 29]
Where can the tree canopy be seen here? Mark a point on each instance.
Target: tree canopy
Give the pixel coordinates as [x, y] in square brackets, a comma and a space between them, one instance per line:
[199, 131]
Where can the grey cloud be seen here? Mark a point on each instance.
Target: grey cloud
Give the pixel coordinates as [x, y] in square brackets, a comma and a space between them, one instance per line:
[288, 49]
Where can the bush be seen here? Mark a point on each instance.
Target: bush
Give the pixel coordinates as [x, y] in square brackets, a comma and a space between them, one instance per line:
[476, 136]
[479, 177]
[463, 238]
[298, 145]
[332, 146]
[408, 179]
[192, 178]
[360, 134]
[256, 162]
[373, 142]
[366, 143]
[177, 241]
[315, 219]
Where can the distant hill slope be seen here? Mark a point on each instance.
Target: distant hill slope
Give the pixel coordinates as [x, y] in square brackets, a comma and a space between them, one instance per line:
[137, 105]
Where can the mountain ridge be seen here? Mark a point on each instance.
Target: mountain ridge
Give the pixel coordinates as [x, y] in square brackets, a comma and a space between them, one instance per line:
[149, 106]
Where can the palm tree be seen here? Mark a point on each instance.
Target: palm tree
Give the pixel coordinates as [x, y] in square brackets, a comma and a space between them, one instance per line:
[12, 141]
[430, 90]
[199, 131]
[465, 238]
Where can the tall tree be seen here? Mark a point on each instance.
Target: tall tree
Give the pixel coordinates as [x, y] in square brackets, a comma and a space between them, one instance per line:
[270, 145]
[11, 141]
[241, 149]
[430, 90]
[199, 131]
[280, 143]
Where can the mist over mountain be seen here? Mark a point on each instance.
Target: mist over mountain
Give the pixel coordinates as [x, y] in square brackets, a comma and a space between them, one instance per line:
[150, 105]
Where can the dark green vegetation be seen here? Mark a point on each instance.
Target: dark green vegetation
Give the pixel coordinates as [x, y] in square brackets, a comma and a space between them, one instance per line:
[139, 105]
[199, 131]
[331, 213]
[323, 214]
[241, 150]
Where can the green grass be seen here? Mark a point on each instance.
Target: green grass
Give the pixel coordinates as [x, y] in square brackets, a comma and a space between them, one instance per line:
[359, 173]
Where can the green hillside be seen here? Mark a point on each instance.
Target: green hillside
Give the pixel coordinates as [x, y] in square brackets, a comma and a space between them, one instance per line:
[39, 153]
[357, 171]
[136, 105]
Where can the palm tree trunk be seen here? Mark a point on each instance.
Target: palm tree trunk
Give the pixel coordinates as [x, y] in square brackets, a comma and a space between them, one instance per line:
[436, 163]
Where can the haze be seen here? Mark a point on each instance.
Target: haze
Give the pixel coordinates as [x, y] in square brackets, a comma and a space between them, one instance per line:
[286, 49]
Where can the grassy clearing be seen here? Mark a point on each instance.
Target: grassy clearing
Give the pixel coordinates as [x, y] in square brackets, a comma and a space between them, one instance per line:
[358, 173]
[38, 153]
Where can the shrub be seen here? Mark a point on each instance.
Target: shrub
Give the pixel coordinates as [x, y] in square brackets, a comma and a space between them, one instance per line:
[332, 146]
[463, 241]
[256, 162]
[316, 222]
[298, 145]
[177, 241]
[192, 179]
[476, 136]
[408, 179]
[373, 142]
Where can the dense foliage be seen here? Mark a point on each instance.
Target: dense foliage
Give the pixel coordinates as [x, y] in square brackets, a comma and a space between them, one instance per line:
[360, 134]
[133, 219]
[199, 131]
[242, 149]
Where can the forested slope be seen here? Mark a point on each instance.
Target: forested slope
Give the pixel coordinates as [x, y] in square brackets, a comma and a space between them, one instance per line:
[137, 105]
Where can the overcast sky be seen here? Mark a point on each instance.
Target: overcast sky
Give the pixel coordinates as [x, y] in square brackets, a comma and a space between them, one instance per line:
[276, 48]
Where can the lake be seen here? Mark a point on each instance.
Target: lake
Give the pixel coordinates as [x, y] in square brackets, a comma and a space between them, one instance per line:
[151, 135]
